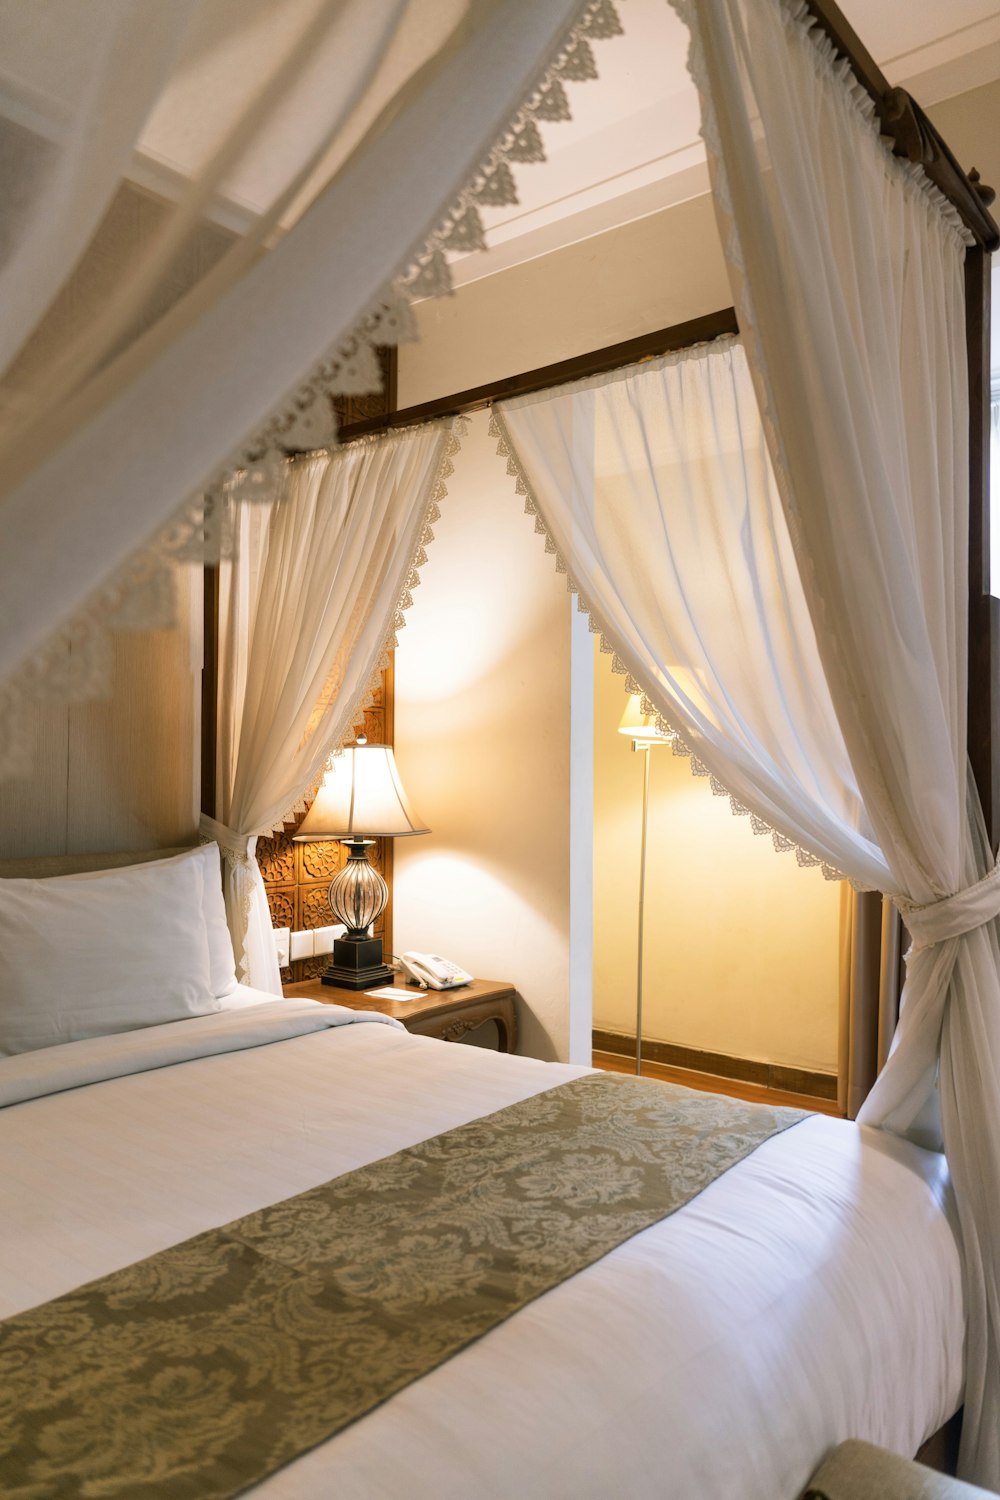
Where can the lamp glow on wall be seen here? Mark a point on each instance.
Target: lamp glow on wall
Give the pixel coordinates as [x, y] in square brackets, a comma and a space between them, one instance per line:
[644, 733]
[361, 799]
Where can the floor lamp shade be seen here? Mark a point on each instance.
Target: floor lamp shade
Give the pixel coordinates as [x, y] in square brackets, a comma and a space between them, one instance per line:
[638, 725]
[361, 798]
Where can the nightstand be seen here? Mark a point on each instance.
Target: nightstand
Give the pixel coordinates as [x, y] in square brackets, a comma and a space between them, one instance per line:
[447, 1014]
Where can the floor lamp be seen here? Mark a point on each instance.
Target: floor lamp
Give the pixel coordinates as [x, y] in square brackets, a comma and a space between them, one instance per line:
[643, 731]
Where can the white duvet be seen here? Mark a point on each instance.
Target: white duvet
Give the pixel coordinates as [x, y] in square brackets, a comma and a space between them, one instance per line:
[811, 1294]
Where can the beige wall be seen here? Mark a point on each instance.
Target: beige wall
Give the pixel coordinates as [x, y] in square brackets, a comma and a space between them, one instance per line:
[741, 945]
[651, 274]
[124, 773]
[482, 741]
[970, 123]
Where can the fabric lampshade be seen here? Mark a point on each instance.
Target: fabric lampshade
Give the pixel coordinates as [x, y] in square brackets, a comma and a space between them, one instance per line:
[637, 725]
[361, 796]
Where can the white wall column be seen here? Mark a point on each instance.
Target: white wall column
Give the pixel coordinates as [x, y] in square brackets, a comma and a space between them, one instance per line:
[581, 841]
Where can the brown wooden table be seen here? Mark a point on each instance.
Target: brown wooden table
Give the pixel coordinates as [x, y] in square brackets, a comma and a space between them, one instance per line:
[447, 1014]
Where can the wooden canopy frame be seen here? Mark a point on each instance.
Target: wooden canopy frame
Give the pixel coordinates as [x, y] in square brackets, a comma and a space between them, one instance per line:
[918, 141]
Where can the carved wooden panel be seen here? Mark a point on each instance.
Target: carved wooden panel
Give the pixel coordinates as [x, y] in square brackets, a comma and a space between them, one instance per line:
[281, 899]
[277, 861]
[297, 876]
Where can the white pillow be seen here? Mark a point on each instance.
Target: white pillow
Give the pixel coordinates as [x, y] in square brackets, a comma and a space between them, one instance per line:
[220, 944]
[111, 950]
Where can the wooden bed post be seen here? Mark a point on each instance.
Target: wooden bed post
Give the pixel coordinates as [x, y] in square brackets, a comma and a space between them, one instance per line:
[918, 141]
[984, 609]
[210, 690]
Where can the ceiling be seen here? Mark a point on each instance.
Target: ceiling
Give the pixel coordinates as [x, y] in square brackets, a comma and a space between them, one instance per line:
[632, 146]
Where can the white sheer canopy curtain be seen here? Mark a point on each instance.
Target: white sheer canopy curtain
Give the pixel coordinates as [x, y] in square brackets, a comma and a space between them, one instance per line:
[655, 488]
[309, 607]
[212, 211]
[847, 270]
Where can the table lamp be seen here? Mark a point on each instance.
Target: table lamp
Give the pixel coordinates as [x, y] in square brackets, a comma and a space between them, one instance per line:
[361, 798]
[643, 731]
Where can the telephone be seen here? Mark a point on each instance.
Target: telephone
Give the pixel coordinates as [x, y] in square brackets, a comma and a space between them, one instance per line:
[432, 972]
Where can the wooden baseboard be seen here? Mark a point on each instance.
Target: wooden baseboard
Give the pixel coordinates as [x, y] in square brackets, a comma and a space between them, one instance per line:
[721, 1065]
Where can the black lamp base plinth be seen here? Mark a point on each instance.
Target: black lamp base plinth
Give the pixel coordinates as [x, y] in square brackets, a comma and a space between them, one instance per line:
[357, 964]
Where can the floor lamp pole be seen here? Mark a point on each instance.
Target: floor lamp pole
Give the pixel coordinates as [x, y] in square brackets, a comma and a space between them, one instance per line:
[644, 729]
[646, 747]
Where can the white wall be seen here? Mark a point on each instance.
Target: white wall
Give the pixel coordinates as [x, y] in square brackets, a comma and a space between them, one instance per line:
[482, 741]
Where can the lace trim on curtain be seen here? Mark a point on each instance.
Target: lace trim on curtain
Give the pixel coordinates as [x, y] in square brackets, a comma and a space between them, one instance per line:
[829, 66]
[782, 843]
[493, 183]
[363, 698]
[75, 664]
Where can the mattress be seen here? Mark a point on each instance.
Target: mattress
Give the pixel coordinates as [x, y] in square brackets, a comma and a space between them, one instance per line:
[811, 1294]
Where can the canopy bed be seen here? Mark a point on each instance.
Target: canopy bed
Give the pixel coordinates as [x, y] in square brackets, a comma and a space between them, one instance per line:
[812, 1290]
[837, 452]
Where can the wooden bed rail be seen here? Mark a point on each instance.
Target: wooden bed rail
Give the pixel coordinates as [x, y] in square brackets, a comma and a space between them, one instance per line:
[578, 367]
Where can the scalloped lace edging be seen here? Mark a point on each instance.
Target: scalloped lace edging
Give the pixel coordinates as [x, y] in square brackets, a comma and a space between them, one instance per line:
[75, 663]
[679, 746]
[493, 183]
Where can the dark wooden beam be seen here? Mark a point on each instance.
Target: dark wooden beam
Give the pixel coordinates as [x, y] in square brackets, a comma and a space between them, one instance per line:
[912, 132]
[597, 362]
[984, 609]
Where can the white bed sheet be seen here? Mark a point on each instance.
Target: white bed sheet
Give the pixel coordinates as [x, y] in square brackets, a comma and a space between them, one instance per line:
[810, 1294]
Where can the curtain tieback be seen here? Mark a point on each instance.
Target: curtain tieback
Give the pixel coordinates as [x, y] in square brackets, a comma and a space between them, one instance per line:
[954, 915]
[235, 846]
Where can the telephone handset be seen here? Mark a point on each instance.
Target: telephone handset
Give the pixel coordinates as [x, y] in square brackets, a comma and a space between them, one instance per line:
[432, 972]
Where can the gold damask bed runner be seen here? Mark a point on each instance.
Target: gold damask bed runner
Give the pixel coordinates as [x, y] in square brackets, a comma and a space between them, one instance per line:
[198, 1372]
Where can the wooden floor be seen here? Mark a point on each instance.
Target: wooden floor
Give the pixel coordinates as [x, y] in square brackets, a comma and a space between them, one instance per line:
[709, 1083]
